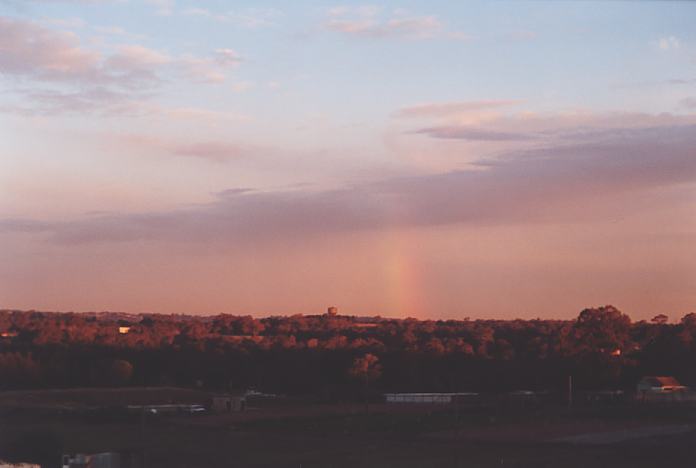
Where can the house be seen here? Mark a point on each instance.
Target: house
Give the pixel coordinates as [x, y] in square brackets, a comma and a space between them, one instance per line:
[123, 330]
[227, 403]
[659, 385]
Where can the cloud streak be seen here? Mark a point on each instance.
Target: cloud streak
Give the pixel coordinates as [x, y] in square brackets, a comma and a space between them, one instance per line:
[472, 134]
[449, 109]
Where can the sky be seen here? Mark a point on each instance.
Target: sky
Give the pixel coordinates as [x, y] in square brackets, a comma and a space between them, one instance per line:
[432, 159]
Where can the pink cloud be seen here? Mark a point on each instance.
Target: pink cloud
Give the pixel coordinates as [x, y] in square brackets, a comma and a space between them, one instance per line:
[28, 49]
[36, 52]
[89, 80]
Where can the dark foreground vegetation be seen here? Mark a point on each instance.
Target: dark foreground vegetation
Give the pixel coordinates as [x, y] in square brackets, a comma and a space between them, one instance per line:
[316, 355]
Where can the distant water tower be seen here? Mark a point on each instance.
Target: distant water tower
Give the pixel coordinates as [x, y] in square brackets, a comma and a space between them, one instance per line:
[332, 311]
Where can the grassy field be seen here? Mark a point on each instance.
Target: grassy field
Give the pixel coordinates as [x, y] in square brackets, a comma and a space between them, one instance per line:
[296, 433]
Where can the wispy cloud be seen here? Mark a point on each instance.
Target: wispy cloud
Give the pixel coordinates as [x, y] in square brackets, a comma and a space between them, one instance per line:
[96, 99]
[212, 150]
[370, 22]
[83, 2]
[250, 18]
[203, 69]
[117, 31]
[163, 7]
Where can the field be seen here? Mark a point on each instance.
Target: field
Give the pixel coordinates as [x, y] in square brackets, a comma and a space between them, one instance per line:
[36, 426]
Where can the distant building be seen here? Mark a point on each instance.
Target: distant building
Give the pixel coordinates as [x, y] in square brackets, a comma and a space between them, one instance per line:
[8, 334]
[431, 398]
[660, 384]
[124, 330]
[332, 311]
[228, 403]
[167, 409]
[251, 393]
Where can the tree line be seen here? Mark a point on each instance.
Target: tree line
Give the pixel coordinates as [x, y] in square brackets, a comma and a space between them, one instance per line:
[313, 355]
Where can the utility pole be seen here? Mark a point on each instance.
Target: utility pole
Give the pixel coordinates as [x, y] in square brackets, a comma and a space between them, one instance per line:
[570, 391]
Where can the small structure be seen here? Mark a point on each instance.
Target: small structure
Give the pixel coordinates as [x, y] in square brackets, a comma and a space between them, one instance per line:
[660, 385]
[332, 311]
[123, 330]
[430, 398]
[228, 403]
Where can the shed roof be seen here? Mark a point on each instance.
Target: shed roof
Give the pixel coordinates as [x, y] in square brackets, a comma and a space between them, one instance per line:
[662, 381]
